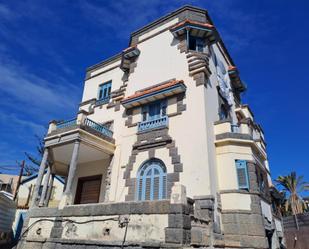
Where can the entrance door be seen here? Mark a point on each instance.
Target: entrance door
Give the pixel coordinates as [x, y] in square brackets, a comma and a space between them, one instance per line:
[88, 189]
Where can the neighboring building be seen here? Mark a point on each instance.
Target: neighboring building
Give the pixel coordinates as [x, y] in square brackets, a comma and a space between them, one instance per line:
[27, 186]
[7, 207]
[162, 152]
[24, 195]
[8, 183]
[7, 215]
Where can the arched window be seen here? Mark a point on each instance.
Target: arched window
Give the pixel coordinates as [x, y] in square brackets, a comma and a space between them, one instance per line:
[151, 181]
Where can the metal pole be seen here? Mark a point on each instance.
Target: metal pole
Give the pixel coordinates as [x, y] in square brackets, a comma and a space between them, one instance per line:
[19, 178]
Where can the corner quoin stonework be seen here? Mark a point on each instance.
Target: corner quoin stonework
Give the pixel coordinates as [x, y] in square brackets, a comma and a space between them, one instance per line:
[150, 141]
[246, 228]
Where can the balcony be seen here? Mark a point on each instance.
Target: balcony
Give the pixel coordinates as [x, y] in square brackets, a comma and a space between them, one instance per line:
[227, 132]
[85, 124]
[153, 124]
[80, 148]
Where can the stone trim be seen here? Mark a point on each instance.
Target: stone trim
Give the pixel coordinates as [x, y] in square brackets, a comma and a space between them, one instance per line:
[182, 45]
[105, 62]
[227, 120]
[150, 141]
[118, 208]
[233, 136]
[108, 179]
[88, 73]
[183, 13]
[239, 191]
[89, 101]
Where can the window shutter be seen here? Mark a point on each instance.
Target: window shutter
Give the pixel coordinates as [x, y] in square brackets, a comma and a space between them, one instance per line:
[147, 188]
[140, 188]
[104, 90]
[242, 174]
[151, 181]
[164, 186]
[144, 112]
[156, 187]
[163, 107]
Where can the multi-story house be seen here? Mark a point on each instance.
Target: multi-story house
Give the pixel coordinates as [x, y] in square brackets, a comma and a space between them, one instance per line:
[162, 152]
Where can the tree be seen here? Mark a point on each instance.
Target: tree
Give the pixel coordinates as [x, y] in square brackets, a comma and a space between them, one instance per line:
[293, 185]
[35, 161]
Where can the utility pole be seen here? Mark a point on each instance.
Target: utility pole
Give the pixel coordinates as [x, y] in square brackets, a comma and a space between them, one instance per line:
[19, 178]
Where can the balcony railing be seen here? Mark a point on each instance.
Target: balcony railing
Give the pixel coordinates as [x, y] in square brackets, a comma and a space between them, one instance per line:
[88, 123]
[100, 128]
[102, 101]
[152, 124]
[66, 123]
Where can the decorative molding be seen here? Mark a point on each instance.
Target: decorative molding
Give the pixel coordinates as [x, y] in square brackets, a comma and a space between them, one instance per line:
[154, 140]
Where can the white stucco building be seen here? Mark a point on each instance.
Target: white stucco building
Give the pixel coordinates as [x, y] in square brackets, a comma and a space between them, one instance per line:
[162, 152]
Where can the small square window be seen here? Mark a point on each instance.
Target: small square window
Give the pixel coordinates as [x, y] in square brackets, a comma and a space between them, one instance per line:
[196, 44]
[104, 90]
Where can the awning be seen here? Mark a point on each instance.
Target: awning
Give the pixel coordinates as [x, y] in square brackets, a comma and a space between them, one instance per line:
[154, 93]
[197, 29]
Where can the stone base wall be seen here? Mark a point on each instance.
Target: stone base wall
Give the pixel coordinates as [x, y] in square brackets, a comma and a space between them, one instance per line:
[245, 229]
[164, 225]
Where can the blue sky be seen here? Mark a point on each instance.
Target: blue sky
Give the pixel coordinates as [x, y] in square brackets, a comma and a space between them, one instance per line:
[45, 47]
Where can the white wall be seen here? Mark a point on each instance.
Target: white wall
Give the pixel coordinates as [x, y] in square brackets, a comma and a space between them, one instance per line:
[193, 130]
[90, 169]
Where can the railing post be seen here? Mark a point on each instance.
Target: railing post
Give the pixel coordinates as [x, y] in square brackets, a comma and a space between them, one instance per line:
[81, 117]
[45, 186]
[52, 126]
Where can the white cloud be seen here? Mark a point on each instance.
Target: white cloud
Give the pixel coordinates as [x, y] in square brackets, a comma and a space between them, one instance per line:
[35, 91]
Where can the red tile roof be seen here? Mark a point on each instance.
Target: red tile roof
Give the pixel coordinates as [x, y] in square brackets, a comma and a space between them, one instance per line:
[154, 89]
[187, 21]
[232, 68]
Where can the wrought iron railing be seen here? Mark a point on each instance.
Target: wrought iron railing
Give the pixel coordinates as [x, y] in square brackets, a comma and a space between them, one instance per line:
[102, 101]
[98, 127]
[151, 124]
[66, 123]
[87, 122]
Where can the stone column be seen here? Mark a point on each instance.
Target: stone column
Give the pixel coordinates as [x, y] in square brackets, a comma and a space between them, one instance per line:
[39, 178]
[67, 197]
[50, 190]
[45, 186]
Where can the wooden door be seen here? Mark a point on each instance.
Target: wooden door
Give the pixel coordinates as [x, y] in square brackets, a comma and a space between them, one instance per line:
[88, 189]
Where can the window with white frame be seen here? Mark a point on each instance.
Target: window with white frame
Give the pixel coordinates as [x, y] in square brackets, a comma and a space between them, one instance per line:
[104, 91]
[151, 181]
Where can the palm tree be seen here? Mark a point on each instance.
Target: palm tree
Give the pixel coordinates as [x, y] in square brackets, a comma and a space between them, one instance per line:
[293, 185]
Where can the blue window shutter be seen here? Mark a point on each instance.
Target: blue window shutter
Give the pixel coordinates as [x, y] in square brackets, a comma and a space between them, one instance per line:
[105, 90]
[151, 181]
[144, 112]
[163, 107]
[242, 174]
